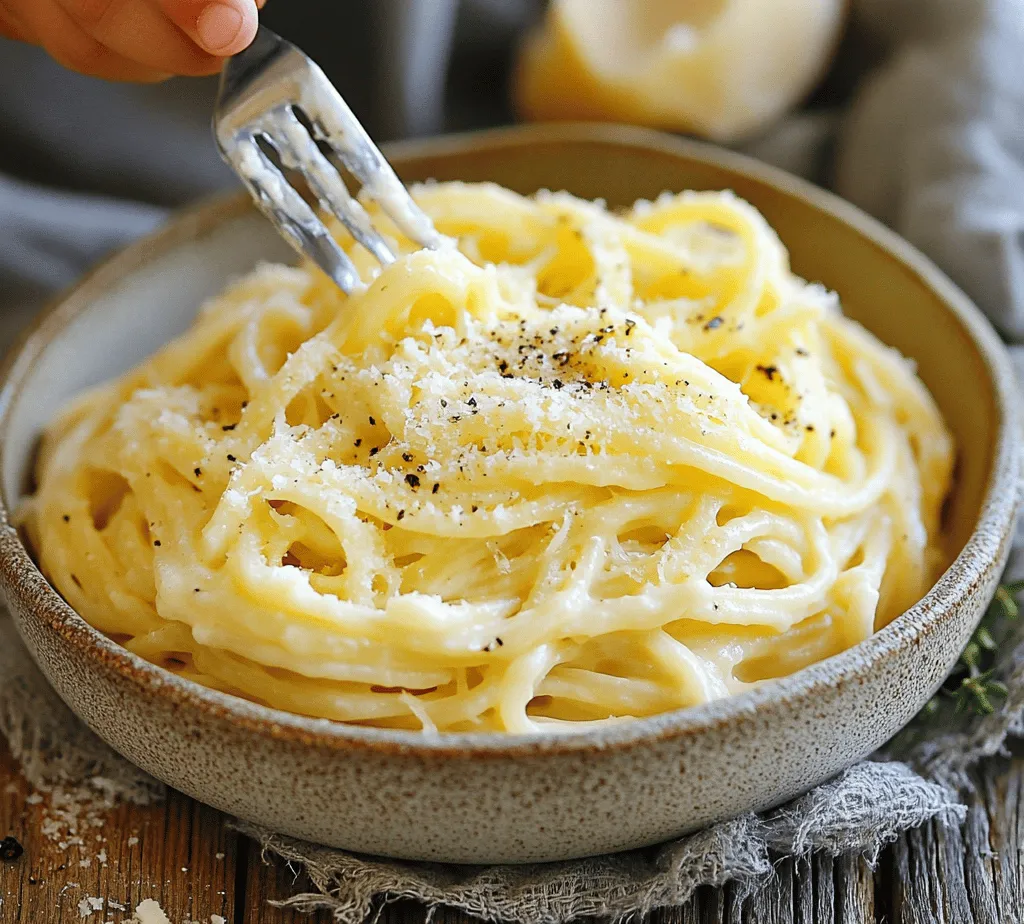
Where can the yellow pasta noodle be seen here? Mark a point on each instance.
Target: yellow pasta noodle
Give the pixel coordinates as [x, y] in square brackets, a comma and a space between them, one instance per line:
[570, 468]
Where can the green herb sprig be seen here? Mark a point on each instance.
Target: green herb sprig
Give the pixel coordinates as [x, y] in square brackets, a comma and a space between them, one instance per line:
[971, 686]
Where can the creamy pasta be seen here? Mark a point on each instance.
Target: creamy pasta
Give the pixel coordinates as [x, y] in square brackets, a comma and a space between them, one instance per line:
[570, 467]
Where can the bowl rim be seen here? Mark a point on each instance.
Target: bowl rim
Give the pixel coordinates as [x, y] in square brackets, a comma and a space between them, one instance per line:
[23, 581]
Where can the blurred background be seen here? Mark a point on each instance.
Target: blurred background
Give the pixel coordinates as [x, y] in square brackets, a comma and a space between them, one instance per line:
[912, 109]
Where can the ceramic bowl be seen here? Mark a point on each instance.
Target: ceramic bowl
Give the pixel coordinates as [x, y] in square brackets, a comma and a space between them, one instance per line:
[487, 798]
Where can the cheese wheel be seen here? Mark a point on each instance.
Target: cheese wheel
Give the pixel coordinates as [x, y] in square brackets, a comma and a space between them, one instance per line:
[721, 69]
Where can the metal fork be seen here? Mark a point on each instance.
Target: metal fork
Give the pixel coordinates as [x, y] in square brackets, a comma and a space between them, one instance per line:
[263, 91]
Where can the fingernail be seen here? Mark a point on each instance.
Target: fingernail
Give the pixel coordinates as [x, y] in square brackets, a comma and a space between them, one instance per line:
[218, 27]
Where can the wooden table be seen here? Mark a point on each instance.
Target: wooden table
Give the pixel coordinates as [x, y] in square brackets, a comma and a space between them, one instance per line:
[185, 856]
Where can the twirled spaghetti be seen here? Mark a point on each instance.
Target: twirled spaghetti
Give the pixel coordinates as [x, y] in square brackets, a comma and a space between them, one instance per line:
[570, 468]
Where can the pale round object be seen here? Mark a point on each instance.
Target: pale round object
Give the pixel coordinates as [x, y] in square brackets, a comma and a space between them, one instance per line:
[721, 69]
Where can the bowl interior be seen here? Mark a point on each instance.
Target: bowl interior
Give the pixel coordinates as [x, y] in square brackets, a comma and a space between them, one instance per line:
[131, 306]
[121, 314]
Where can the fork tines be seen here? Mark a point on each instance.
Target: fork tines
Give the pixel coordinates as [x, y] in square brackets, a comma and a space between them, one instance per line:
[263, 91]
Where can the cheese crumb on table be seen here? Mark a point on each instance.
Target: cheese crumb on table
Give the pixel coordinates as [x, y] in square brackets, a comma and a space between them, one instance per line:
[90, 904]
[148, 911]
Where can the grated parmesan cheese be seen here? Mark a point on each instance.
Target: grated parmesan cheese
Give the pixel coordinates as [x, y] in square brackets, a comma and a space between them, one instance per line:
[148, 911]
[89, 905]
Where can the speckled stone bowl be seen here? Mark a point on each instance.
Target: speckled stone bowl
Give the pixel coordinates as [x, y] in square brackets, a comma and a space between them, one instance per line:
[491, 798]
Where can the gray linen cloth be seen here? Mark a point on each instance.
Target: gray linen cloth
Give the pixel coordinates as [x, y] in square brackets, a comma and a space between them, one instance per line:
[929, 138]
[932, 142]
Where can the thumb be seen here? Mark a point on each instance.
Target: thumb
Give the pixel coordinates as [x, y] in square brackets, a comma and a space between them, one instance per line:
[219, 27]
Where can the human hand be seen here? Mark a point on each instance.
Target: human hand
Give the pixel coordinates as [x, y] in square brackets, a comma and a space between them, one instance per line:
[136, 40]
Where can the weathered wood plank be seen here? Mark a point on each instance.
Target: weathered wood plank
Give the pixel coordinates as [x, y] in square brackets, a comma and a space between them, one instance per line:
[824, 890]
[979, 869]
[923, 864]
[711, 904]
[900, 882]
[950, 873]
[911, 899]
[273, 881]
[854, 891]
[688, 913]
[1001, 792]
[773, 904]
[783, 908]
[176, 852]
[685, 914]
[732, 906]
[803, 891]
